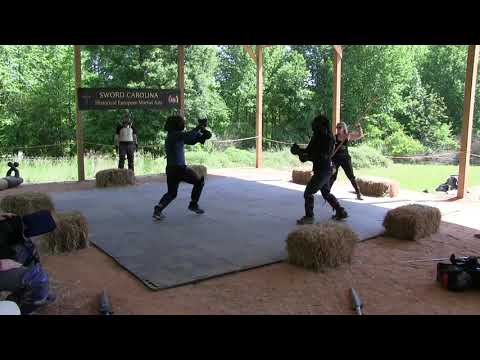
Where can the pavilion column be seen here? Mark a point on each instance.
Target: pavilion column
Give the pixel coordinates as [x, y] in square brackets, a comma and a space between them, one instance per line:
[468, 107]
[79, 129]
[259, 122]
[337, 84]
[181, 78]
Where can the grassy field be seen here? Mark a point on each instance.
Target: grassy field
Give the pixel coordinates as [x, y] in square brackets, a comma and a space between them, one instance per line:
[65, 169]
[418, 177]
[412, 177]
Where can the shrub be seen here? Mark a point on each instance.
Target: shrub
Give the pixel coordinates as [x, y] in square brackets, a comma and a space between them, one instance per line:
[400, 144]
[364, 156]
[441, 138]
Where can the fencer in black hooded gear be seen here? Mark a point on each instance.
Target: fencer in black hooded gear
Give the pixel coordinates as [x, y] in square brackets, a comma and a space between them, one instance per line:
[177, 170]
[319, 152]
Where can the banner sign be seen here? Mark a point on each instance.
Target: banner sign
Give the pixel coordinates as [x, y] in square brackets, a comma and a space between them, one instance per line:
[117, 98]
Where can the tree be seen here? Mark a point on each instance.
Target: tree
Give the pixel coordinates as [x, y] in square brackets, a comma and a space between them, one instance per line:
[37, 98]
[148, 66]
[202, 91]
[319, 61]
[425, 118]
[236, 76]
[374, 71]
[287, 97]
[443, 72]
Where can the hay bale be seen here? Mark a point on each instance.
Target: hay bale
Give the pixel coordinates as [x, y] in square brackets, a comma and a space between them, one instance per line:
[71, 233]
[317, 247]
[27, 203]
[378, 187]
[200, 170]
[114, 177]
[412, 222]
[301, 176]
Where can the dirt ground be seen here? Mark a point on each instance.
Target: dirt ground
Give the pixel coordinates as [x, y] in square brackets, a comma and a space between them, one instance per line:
[379, 272]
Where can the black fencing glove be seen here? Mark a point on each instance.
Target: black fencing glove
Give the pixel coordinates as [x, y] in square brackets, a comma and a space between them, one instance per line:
[295, 149]
[304, 157]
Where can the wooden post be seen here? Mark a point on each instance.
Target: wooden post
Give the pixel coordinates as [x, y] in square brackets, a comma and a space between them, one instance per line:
[337, 84]
[259, 124]
[250, 52]
[78, 84]
[181, 78]
[468, 107]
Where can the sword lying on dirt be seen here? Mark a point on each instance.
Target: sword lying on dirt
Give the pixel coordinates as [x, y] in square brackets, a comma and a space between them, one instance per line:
[356, 302]
[105, 308]
[434, 260]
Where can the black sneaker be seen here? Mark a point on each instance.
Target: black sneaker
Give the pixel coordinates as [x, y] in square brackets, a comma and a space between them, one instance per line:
[195, 209]
[31, 309]
[340, 214]
[14, 297]
[157, 213]
[359, 197]
[306, 220]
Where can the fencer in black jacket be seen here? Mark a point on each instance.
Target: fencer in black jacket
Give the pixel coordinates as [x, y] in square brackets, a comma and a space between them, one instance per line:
[319, 151]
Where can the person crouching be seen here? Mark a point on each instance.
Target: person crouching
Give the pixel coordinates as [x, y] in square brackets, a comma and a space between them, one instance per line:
[21, 272]
[176, 169]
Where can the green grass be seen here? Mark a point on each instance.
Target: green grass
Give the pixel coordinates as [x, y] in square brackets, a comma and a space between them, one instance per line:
[418, 177]
[412, 177]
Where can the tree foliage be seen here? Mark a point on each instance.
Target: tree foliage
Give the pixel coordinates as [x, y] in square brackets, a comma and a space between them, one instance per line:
[418, 90]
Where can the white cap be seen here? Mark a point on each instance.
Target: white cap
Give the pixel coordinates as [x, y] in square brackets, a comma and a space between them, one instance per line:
[9, 308]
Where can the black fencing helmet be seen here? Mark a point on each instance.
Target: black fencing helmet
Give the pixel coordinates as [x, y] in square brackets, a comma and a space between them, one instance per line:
[174, 123]
[320, 124]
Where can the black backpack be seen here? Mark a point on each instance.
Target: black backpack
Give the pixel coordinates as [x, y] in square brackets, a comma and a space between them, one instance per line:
[461, 274]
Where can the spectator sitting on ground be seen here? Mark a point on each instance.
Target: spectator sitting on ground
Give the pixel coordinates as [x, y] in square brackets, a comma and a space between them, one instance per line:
[21, 273]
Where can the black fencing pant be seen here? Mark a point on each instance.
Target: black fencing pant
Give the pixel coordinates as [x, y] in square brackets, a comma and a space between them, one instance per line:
[126, 149]
[177, 174]
[344, 162]
[319, 181]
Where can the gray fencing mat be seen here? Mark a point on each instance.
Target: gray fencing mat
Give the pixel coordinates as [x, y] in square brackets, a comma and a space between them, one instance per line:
[245, 226]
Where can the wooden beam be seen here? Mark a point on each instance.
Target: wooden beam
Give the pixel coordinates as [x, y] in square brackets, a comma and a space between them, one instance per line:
[249, 50]
[79, 129]
[339, 50]
[337, 85]
[258, 118]
[468, 107]
[181, 79]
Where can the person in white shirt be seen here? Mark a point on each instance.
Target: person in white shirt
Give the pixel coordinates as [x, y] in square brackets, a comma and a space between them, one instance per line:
[126, 142]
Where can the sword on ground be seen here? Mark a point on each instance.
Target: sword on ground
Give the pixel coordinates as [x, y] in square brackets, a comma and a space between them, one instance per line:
[105, 308]
[356, 302]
